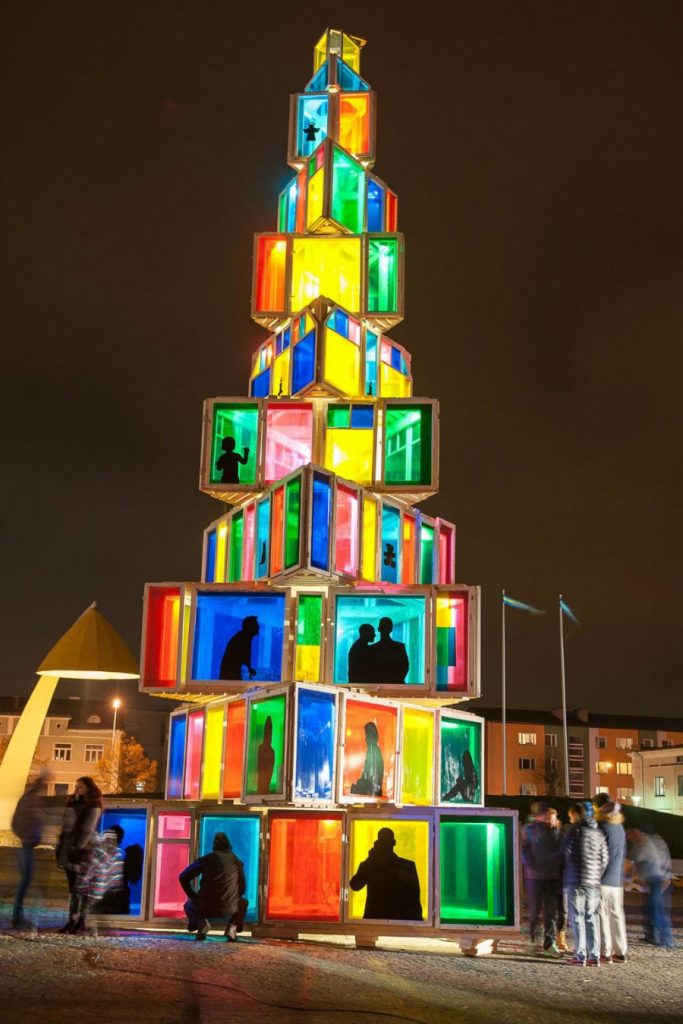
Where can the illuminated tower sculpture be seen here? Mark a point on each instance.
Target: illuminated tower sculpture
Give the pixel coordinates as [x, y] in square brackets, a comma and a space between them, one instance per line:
[326, 597]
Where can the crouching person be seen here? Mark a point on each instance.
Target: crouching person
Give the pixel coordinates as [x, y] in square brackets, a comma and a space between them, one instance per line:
[220, 893]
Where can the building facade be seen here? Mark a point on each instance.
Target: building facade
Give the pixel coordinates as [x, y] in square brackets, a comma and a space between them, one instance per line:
[658, 778]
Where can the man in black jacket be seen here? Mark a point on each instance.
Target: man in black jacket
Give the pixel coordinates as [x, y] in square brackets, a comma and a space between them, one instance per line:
[585, 859]
[221, 890]
[392, 882]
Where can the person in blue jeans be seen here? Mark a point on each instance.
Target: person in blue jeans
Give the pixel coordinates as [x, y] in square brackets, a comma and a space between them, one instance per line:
[652, 860]
[585, 858]
[28, 822]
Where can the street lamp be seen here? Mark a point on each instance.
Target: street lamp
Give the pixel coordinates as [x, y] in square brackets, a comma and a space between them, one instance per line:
[116, 704]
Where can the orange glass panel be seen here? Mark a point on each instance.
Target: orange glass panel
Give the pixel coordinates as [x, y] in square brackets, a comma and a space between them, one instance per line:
[271, 258]
[277, 532]
[369, 755]
[304, 867]
[354, 122]
[408, 549]
[236, 716]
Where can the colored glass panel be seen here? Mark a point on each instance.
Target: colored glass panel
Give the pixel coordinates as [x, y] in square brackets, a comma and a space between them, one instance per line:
[271, 262]
[226, 647]
[346, 531]
[390, 555]
[213, 752]
[235, 562]
[351, 52]
[408, 549]
[244, 833]
[234, 443]
[304, 867]
[326, 266]
[348, 189]
[393, 384]
[221, 553]
[408, 445]
[348, 80]
[292, 523]
[248, 542]
[320, 79]
[417, 761]
[308, 636]
[260, 385]
[339, 416]
[316, 196]
[369, 751]
[277, 531]
[292, 200]
[446, 553]
[397, 656]
[161, 637]
[176, 756]
[266, 745]
[371, 363]
[320, 522]
[177, 825]
[354, 123]
[426, 553]
[375, 206]
[369, 552]
[382, 275]
[316, 729]
[301, 188]
[280, 374]
[362, 417]
[342, 363]
[408, 898]
[303, 363]
[312, 116]
[171, 859]
[349, 453]
[262, 539]
[451, 642]
[476, 863]
[193, 755]
[282, 211]
[289, 437]
[210, 557]
[392, 211]
[133, 821]
[460, 761]
[233, 755]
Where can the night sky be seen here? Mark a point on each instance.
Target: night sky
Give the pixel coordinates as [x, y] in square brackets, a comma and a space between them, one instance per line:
[537, 152]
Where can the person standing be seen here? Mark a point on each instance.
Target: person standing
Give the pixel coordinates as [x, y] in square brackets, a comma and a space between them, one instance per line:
[585, 859]
[652, 859]
[542, 862]
[221, 890]
[28, 823]
[74, 851]
[613, 943]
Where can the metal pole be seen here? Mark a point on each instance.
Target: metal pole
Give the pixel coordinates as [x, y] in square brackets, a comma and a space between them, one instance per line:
[113, 730]
[504, 701]
[564, 705]
[114, 762]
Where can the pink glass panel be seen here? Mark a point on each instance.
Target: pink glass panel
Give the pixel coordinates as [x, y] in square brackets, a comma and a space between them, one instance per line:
[289, 438]
[248, 543]
[346, 549]
[354, 331]
[174, 826]
[193, 755]
[172, 858]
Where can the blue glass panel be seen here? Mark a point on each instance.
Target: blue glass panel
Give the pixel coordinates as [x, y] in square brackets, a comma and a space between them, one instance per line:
[210, 570]
[286, 338]
[303, 362]
[243, 831]
[339, 322]
[348, 80]
[262, 539]
[176, 756]
[320, 522]
[320, 79]
[311, 123]
[375, 206]
[362, 416]
[228, 647]
[133, 845]
[370, 363]
[291, 206]
[260, 386]
[278, 344]
[315, 743]
[396, 358]
[391, 649]
[390, 554]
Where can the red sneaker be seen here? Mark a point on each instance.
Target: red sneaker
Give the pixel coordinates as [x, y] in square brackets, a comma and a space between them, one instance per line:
[575, 961]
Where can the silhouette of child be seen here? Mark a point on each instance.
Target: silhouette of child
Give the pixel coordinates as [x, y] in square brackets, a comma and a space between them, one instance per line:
[230, 461]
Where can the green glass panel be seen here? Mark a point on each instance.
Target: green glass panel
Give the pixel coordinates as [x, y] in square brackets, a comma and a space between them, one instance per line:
[309, 620]
[408, 445]
[476, 868]
[266, 745]
[382, 275]
[234, 443]
[339, 415]
[292, 522]
[236, 535]
[282, 212]
[348, 191]
[426, 553]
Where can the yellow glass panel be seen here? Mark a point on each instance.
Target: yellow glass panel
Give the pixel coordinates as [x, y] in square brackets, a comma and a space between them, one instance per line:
[320, 52]
[185, 649]
[351, 53]
[213, 752]
[279, 379]
[221, 551]
[316, 194]
[392, 383]
[412, 843]
[444, 612]
[369, 552]
[326, 266]
[342, 364]
[349, 453]
[418, 757]
[307, 663]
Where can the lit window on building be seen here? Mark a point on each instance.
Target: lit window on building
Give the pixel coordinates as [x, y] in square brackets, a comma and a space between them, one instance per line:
[624, 794]
[624, 768]
[659, 786]
[526, 738]
[93, 753]
[602, 789]
[528, 789]
[61, 752]
[602, 767]
[624, 743]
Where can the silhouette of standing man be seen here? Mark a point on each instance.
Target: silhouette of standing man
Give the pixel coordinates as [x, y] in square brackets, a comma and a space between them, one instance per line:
[230, 461]
[238, 650]
[392, 882]
[388, 658]
[360, 670]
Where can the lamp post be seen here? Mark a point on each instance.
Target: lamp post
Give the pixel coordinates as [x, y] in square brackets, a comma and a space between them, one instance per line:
[116, 704]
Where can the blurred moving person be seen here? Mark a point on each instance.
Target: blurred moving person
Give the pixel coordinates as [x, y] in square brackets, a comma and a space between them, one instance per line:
[28, 824]
[221, 890]
[652, 860]
[542, 862]
[613, 943]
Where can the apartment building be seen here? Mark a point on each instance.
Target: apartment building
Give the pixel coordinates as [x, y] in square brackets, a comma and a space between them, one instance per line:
[658, 778]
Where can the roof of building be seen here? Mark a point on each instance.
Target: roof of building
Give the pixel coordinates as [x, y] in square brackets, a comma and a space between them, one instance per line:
[580, 717]
[82, 713]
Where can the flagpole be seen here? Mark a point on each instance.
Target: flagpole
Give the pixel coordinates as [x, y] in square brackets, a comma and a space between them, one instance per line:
[504, 701]
[564, 704]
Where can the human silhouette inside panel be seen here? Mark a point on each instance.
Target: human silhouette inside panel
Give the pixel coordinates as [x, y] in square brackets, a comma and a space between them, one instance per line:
[230, 461]
[370, 782]
[466, 784]
[392, 882]
[359, 655]
[265, 758]
[238, 650]
[383, 662]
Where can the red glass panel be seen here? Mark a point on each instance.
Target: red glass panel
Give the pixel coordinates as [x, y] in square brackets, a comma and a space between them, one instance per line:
[193, 754]
[346, 541]
[271, 258]
[234, 749]
[304, 867]
[276, 531]
[408, 549]
[161, 637]
[392, 211]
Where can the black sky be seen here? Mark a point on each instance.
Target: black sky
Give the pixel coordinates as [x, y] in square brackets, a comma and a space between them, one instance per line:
[537, 151]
